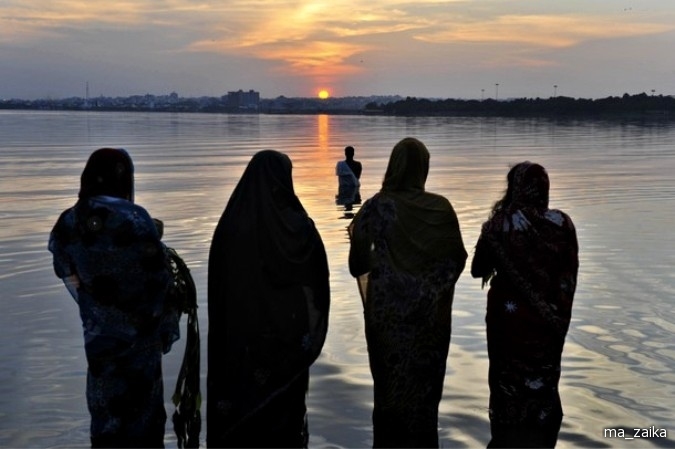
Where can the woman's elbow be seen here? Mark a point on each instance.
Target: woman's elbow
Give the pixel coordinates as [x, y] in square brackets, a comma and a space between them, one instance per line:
[479, 270]
[357, 269]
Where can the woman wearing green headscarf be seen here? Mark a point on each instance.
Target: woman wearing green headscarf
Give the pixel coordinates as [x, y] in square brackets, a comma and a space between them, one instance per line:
[407, 254]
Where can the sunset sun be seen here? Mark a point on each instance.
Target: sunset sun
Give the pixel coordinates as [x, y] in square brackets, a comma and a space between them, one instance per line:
[323, 94]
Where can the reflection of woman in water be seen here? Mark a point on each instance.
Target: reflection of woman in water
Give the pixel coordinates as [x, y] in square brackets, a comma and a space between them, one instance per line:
[529, 253]
[407, 251]
[268, 298]
[107, 250]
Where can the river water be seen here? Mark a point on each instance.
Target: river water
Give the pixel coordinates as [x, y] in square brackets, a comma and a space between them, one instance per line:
[614, 178]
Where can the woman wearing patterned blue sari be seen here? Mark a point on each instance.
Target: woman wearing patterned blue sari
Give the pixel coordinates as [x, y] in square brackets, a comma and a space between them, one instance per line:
[108, 252]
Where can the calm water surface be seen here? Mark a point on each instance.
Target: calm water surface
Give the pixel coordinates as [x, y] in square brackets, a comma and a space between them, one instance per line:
[615, 179]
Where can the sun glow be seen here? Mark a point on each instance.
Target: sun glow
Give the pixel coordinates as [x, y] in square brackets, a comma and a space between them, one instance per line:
[323, 94]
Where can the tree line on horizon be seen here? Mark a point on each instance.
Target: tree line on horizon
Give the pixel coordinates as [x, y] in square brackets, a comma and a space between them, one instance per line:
[626, 105]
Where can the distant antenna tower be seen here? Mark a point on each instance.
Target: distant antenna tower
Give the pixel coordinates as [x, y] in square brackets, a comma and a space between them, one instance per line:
[86, 97]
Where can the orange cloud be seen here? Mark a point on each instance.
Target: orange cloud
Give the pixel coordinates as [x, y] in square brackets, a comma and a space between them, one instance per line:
[311, 58]
[309, 40]
[317, 58]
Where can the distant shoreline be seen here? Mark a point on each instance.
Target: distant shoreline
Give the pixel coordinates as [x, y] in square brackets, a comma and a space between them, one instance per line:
[640, 106]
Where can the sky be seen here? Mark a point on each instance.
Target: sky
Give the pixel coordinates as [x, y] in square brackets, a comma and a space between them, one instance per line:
[296, 48]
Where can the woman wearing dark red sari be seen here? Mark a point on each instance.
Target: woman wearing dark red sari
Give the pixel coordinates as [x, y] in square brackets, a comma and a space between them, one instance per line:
[529, 254]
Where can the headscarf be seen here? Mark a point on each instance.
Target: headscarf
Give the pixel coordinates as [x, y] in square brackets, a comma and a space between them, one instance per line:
[264, 210]
[265, 255]
[532, 247]
[408, 166]
[422, 227]
[530, 186]
[110, 172]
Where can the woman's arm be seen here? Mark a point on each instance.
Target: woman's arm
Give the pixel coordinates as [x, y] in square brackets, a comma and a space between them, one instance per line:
[63, 266]
[359, 253]
[72, 283]
[359, 249]
[482, 265]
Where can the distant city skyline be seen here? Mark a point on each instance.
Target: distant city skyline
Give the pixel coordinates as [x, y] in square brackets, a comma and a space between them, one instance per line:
[428, 48]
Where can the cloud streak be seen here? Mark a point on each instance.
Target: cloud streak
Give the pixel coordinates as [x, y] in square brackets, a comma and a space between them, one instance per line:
[544, 30]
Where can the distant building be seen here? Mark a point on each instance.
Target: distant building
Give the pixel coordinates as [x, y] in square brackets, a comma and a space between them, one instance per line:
[243, 101]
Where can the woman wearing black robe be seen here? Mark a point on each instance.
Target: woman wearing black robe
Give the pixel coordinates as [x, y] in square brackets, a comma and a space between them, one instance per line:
[268, 296]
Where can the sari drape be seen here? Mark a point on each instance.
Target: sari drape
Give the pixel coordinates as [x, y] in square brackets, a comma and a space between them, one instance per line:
[407, 252]
[529, 253]
[108, 250]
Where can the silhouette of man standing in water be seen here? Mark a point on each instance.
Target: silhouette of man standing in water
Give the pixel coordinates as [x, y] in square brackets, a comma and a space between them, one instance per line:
[354, 165]
[348, 173]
